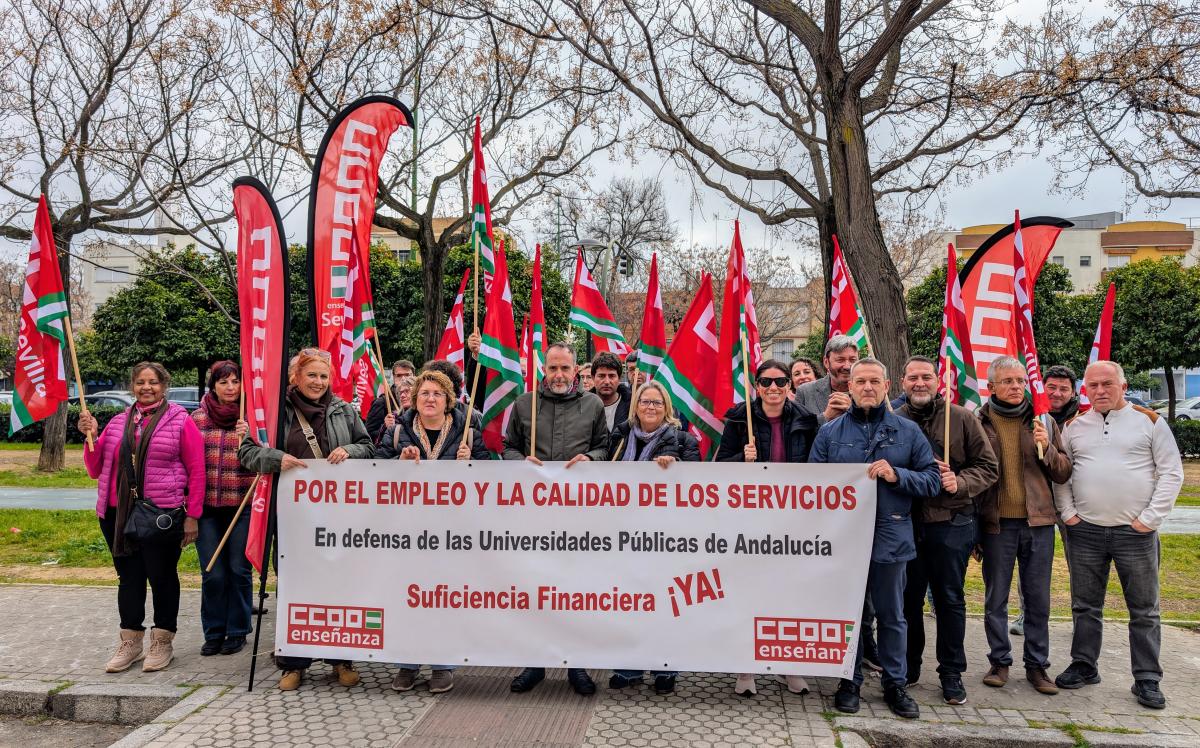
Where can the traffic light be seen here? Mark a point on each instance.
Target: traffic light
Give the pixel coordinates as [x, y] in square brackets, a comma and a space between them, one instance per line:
[623, 264]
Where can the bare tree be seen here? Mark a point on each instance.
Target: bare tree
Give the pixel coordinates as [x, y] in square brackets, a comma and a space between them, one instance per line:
[806, 110]
[544, 113]
[1126, 91]
[110, 109]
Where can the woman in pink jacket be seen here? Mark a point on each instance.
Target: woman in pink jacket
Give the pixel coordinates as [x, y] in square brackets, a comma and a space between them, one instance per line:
[150, 466]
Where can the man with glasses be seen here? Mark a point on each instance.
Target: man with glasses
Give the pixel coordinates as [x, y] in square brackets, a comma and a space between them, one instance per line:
[1017, 514]
[897, 454]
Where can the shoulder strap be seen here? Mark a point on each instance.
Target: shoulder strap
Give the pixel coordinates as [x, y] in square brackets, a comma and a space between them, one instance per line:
[309, 435]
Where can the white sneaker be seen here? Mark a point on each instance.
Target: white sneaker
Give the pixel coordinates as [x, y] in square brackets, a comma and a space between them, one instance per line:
[745, 685]
[795, 683]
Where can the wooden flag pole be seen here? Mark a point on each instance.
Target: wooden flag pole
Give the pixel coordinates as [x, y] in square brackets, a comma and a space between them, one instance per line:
[471, 402]
[229, 530]
[393, 406]
[475, 286]
[746, 388]
[242, 404]
[946, 435]
[533, 423]
[83, 408]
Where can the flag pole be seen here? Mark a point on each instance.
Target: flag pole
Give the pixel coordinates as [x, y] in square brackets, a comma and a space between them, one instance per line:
[83, 408]
[229, 531]
[533, 424]
[393, 406]
[946, 433]
[475, 286]
[471, 402]
[746, 388]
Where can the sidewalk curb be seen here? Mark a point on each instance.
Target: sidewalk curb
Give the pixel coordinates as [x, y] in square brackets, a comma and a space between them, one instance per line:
[114, 703]
[27, 697]
[886, 733]
[199, 699]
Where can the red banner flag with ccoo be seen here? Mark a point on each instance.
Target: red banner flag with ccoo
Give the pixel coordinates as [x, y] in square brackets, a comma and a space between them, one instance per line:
[265, 319]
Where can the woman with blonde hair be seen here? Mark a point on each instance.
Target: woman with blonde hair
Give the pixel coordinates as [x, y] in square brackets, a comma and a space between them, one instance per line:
[651, 433]
[318, 425]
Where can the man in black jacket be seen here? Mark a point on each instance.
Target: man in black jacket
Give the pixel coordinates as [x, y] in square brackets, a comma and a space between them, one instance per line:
[607, 384]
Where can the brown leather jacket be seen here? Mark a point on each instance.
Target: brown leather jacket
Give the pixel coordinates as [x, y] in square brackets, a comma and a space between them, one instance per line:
[971, 458]
[1039, 498]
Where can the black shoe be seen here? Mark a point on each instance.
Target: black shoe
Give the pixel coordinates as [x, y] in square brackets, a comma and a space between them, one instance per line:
[233, 645]
[581, 681]
[254, 607]
[1147, 694]
[870, 656]
[846, 699]
[914, 677]
[901, 704]
[664, 684]
[620, 681]
[211, 647]
[953, 691]
[1077, 675]
[529, 677]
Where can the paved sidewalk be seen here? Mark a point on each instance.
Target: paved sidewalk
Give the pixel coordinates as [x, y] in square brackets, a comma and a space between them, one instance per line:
[66, 633]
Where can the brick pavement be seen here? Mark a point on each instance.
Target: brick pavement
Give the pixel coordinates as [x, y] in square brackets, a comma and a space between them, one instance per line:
[65, 633]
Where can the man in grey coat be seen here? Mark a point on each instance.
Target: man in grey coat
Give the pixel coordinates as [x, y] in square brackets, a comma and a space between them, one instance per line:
[829, 397]
[571, 427]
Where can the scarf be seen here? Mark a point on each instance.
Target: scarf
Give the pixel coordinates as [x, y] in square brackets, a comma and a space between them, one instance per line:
[1067, 412]
[131, 465]
[1022, 411]
[434, 452]
[314, 411]
[925, 413]
[224, 415]
[649, 438]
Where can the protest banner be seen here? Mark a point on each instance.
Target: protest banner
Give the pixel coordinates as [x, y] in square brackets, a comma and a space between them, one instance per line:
[725, 567]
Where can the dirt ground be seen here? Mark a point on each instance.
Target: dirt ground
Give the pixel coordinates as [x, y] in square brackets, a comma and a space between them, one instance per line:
[17, 459]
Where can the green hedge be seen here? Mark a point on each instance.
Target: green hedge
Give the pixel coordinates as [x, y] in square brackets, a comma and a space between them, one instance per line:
[33, 432]
[1187, 436]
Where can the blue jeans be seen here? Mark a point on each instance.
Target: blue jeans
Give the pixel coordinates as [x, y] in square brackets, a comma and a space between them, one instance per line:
[885, 585]
[410, 666]
[227, 590]
[1031, 550]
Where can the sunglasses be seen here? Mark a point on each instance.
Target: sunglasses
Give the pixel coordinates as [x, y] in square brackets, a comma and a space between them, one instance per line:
[779, 382]
[315, 352]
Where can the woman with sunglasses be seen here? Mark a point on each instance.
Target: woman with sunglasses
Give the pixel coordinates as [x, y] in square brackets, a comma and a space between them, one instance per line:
[318, 425]
[651, 433]
[783, 432]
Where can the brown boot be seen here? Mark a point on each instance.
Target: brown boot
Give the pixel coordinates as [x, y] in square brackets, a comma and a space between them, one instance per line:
[128, 652]
[346, 674]
[997, 677]
[161, 651]
[1037, 676]
[290, 680]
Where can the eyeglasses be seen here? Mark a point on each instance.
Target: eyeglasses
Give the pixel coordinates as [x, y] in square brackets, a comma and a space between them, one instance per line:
[651, 403]
[315, 352]
[431, 395]
[779, 382]
[1012, 382]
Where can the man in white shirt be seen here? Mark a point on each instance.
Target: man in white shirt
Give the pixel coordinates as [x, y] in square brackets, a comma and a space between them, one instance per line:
[1126, 476]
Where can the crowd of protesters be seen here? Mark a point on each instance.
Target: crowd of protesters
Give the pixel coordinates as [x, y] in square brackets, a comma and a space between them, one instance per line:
[952, 483]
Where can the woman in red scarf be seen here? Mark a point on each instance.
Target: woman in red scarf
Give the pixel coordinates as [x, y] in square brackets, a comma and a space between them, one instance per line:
[227, 590]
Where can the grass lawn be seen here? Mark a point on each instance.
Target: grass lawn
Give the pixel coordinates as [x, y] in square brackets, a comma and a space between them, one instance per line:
[33, 447]
[1179, 592]
[22, 477]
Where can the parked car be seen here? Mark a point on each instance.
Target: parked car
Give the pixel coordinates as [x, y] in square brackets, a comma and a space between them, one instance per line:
[1137, 400]
[6, 397]
[1156, 404]
[109, 400]
[1185, 410]
[188, 397]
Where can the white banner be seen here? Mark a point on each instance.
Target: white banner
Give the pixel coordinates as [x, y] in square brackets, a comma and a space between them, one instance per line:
[721, 567]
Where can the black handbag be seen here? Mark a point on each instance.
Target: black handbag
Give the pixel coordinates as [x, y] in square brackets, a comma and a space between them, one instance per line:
[150, 524]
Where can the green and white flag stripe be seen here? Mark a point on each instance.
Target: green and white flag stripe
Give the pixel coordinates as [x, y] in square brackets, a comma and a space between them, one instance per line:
[967, 384]
[51, 311]
[649, 358]
[18, 417]
[689, 401]
[605, 328]
[479, 236]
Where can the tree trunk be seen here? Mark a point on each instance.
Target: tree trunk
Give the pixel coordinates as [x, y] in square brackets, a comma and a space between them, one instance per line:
[1170, 377]
[433, 267]
[861, 237]
[54, 430]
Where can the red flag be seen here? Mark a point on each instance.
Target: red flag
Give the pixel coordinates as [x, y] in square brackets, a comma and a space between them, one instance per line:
[481, 207]
[955, 357]
[590, 312]
[526, 351]
[737, 320]
[688, 372]
[453, 341]
[264, 313]
[499, 353]
[845, 316]
[40, 377]
[1023, 285]
[342, 210]
[368, 384]
[1102, 345]
[653, 343]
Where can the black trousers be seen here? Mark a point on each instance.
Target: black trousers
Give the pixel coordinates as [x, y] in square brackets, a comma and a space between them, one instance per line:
[943, 553]
[153, 563]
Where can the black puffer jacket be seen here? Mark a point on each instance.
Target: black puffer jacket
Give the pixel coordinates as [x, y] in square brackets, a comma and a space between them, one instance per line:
[799, 430]
[673, 443]
[404, 435]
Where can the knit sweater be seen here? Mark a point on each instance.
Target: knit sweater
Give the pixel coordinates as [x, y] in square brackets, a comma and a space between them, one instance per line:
[1126, 467]
[1012, 482]
[226, 481]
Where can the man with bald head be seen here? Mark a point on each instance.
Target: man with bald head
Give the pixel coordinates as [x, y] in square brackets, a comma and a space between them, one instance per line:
[1126, 474]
